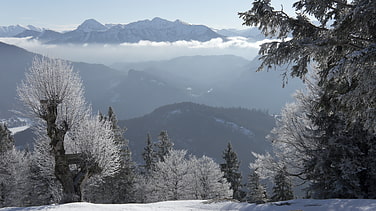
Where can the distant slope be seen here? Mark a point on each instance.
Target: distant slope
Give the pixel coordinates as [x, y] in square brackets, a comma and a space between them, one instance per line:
[222, 80]
[203, 130]
[133, 94]
[14, 61]
[205, 71]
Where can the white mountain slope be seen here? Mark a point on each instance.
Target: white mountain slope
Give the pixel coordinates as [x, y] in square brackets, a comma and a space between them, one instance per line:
[10, 31]
[91, 25]
[157, 30]
[200, 205]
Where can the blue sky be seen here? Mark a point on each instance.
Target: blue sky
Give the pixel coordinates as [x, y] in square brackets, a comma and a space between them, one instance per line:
[68, 14]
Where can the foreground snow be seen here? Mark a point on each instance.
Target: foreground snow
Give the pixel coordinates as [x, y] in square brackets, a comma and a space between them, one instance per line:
[293, 205]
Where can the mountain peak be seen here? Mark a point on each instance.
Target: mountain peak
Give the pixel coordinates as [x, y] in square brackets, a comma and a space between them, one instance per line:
[158, 19]
[90, 25]
[181, 22]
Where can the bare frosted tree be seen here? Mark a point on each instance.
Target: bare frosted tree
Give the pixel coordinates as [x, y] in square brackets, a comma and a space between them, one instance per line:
[53, 95]
[172, 175]
[207, 179]
[94, 140]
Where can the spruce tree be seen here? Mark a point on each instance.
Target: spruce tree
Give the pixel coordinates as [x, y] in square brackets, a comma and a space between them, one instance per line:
[164, 145]
[231, 171]
[6, 139]
[256, 192]
[282, 190]
[126, 177]
[338, 155]
[149, 155]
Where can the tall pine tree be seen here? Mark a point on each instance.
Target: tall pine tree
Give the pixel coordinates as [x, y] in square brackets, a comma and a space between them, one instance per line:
[231, 171]
[149, 155]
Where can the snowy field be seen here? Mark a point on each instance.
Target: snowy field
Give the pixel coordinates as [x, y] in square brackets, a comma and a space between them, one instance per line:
[293, 205]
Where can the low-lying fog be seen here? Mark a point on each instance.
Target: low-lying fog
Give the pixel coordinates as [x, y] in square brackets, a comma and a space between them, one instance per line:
[142, 51]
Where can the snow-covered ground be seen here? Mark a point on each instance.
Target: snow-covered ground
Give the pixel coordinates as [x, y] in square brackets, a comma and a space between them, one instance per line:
[293, 205]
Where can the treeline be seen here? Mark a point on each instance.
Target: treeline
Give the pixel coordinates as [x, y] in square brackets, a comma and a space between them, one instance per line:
[27, 177]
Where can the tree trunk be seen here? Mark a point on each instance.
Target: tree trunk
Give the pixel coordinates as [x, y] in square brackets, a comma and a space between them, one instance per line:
[71, 189]
[65, 177]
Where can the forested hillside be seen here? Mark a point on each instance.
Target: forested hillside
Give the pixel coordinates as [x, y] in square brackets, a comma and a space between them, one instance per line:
[203, 130]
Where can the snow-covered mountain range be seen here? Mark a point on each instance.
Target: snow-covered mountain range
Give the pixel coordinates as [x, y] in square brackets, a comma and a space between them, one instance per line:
[91, 31]
[11, 31]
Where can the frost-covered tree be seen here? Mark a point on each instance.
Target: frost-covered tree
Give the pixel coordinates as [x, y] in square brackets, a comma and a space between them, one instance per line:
[337, 137]
[326, 156]
[172, 176]
[98, 154]
[282, 190]
[119, 187]
[164, 145]
[124, 179]
[12, 167]
[207, 179]
[6, 139]
[45, 188]
[231, 170]
[182, 177]
[52, 93]
[256, 192]
[13, 172]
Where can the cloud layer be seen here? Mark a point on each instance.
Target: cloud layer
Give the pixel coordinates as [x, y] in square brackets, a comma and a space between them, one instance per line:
[141, 51]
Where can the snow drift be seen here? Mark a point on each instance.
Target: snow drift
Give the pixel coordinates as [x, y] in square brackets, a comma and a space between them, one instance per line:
[299, 204]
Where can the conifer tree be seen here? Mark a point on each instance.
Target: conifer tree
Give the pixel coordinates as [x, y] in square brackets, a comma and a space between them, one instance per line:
[164, 145]
[6, 139]
[6, 145]
[13, 178]
[256, 192]
[13, 170]
[282, 190]
[45, 188]
[231, 171]
[149, 155]
[337, 147]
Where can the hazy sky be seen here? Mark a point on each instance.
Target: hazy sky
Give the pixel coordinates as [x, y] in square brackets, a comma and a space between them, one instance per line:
[68, 14]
